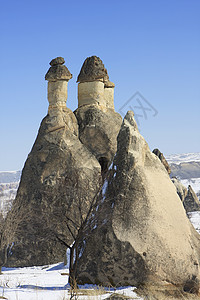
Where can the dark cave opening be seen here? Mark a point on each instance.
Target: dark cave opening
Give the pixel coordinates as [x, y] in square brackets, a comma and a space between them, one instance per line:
[104, 165]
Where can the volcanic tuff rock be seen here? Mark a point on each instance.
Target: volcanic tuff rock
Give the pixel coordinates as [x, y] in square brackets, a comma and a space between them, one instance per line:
[139, 231]
[58, 71]
[98, 131]
[191, 201]
[98, 122]
[180, 188]
[187, 196]
[93, 69]
[162, 159]
[59, 179]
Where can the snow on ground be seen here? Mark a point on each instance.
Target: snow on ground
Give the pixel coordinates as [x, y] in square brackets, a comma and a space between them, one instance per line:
[185, 157]
[50, 283]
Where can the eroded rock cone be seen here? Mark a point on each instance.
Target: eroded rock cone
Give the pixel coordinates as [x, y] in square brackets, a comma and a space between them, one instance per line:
[191, 201]
[187, 195]
[162, 159]
[59, 179]
[139, 231]
[180, 188]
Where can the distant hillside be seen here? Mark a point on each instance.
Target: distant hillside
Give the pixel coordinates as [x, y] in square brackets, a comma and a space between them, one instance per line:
[185, 157]
[186, 167]
[186, 170]
[10, 176]
[9, 182]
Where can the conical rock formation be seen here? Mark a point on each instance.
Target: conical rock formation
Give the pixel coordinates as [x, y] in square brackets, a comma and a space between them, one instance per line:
[187, 195]
[139, 231]
[59, 179]
[180, 188]
[191, 201]
[162, 159]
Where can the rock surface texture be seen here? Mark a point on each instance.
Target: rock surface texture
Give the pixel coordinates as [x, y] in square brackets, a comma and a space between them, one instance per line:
[191, 201]
[139, 231]
[52, 192]
[162, 159]
[187, 196]
[98, 122]
[180, 188]
[93, 69]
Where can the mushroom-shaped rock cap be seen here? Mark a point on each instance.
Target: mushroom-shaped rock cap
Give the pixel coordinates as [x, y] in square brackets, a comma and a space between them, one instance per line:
[93, 69]
[57, 61]
[58, 71]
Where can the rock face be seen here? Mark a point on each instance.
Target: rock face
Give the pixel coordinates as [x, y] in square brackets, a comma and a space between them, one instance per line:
[187, 196]
[191, 201]
[98, 131]
[162, 159]
[52, 194]
[180, 188]
[139, 231]
[186, 170]
[98, 122]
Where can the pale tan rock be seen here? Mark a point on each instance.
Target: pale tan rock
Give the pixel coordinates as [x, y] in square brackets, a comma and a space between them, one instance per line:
[57, 93]
[180, 188]
[109, 97]
[58, 76]
[91, 93]
[140, 232]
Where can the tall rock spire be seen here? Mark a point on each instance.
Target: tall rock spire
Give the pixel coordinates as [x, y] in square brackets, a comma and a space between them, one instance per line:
[57, 76]
[99, 124]
[94, 86]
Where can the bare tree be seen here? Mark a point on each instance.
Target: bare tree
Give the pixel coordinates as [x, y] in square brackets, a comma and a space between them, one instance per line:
[8, 228]
[78, 219]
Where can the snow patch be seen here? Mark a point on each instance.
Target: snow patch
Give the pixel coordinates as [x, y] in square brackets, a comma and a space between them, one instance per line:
[185, 157]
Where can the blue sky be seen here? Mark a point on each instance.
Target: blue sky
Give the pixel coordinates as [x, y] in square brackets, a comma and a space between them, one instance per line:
[148, 46]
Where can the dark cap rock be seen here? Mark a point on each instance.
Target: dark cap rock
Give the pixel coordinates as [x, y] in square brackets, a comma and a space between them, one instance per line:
[93, 69]
[109, 84]
[58, 71]
[57, 61]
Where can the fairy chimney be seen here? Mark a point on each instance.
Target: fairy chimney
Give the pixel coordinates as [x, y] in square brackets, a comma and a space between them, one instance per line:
[109, 94]
[94, 86]
[57, 76]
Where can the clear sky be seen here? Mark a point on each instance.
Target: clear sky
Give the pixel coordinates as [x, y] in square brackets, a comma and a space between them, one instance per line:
[149, 46]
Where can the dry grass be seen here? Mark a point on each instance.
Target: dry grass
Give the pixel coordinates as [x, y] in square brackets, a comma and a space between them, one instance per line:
[164, 292]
